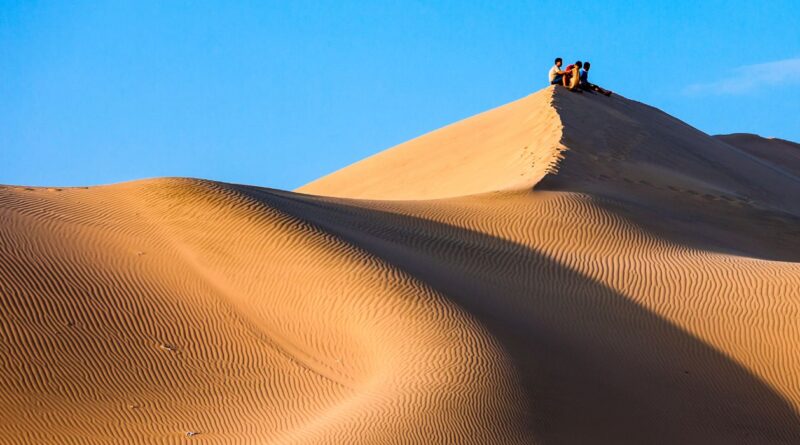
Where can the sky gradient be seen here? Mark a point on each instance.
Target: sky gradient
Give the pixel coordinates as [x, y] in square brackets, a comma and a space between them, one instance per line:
[277, 94]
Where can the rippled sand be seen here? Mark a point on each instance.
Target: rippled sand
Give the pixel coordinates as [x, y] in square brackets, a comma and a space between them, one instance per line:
[563, 269]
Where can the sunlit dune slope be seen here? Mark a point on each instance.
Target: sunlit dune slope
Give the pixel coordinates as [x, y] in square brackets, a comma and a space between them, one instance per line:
[148, 310]
[508, 148]
[611, 276]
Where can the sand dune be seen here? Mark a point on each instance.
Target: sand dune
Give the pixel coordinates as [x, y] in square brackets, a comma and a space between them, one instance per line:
[510, 147]
[564, 269]
[779, 152]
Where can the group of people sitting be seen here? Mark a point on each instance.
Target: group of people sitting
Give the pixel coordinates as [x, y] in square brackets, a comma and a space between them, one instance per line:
[575, 77]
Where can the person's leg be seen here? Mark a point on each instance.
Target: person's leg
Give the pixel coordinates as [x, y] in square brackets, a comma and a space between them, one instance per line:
[601, 90]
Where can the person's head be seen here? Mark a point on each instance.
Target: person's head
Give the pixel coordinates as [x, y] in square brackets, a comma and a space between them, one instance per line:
[586, 65]
[558, 62]
[578, 64]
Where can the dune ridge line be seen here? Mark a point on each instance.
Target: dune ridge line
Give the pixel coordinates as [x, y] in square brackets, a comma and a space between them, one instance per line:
[562, 269]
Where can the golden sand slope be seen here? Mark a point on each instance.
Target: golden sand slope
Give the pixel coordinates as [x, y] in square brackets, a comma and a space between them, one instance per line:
[510, 147]
[646, 292]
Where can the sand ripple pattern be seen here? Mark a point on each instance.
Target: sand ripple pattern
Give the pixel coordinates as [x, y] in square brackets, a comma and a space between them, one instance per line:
[608, 274]
[173, 310]
[620, 334]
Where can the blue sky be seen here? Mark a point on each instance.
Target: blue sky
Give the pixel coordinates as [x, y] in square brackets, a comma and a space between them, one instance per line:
[279, 93]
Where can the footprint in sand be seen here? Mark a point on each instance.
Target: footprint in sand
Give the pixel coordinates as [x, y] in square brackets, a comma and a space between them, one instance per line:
[168, 347]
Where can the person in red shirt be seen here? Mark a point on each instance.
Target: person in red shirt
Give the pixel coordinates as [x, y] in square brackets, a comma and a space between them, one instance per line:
[572, 77]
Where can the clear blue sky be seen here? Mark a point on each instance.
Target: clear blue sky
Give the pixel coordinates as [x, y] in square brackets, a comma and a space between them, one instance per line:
[279, 93]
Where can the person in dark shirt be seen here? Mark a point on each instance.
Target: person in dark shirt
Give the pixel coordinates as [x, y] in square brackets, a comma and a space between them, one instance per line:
[586, 85]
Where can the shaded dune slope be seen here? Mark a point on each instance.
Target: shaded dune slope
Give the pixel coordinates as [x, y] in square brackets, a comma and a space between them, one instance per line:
[781, 153]
[676, 180]
[597, 272]
[619, 336]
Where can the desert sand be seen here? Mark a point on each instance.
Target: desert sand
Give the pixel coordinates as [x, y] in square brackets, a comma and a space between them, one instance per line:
[564, 269]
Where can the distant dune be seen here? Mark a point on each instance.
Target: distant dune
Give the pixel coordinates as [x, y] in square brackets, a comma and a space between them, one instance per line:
[778, 152]
[564, 269]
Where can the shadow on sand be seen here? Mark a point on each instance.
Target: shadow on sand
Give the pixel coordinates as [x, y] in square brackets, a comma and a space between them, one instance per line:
[596, 366]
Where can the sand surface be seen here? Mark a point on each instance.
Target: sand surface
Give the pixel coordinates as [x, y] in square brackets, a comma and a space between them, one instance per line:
[565, 269]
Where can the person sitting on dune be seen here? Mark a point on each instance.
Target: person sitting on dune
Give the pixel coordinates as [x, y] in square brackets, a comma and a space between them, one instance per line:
[584, 81]
[572, 78]
[556, 75]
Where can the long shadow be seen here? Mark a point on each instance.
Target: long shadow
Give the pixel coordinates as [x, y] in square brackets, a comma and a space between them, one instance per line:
[596, 366]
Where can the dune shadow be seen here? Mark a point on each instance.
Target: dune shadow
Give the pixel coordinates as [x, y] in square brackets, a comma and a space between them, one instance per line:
[596, 367]
[717, 227]
[683, 183]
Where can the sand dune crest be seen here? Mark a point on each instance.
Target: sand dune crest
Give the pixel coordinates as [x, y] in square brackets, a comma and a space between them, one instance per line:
[563, 269]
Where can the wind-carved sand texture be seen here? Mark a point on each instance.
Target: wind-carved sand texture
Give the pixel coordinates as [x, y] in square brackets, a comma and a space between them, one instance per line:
[566, 269]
